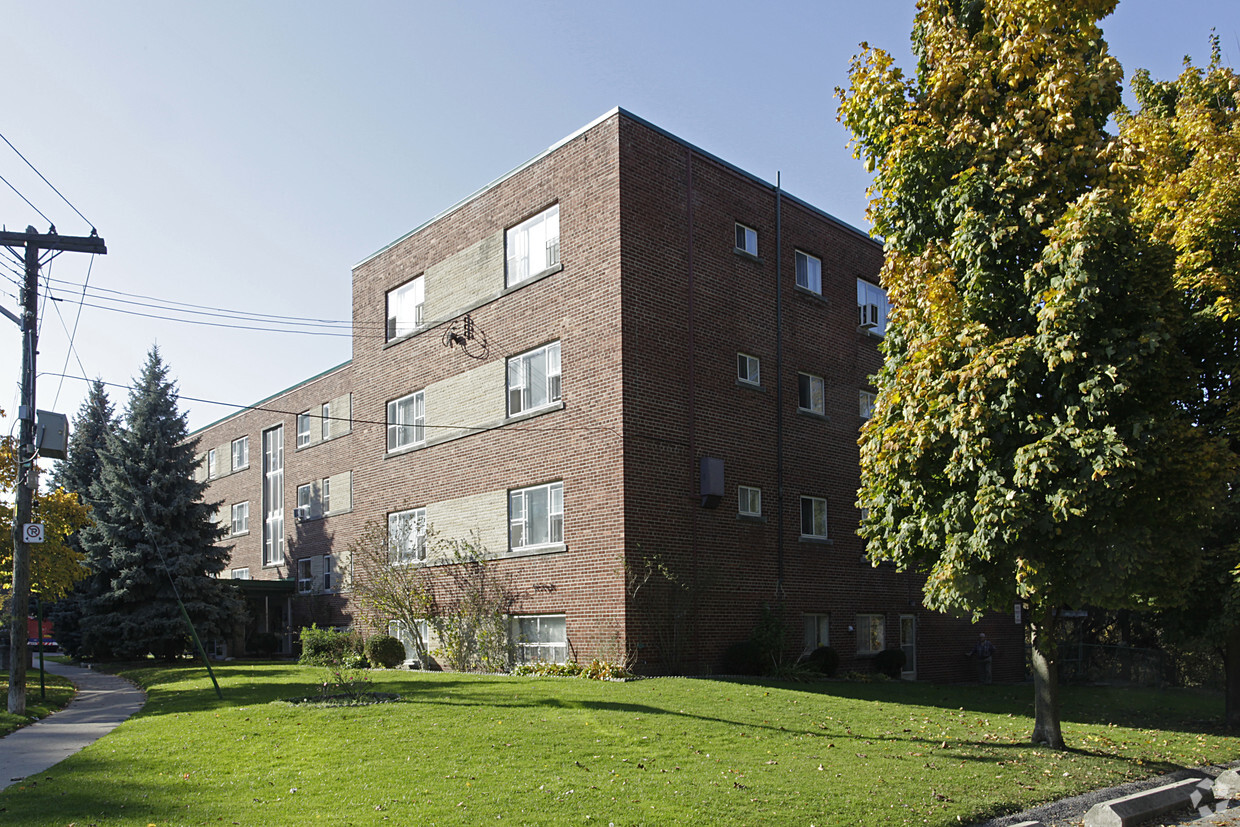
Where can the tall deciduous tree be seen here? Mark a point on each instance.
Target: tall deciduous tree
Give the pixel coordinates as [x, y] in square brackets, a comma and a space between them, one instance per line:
[1027, 442]
[151, 519]
[1188, 197]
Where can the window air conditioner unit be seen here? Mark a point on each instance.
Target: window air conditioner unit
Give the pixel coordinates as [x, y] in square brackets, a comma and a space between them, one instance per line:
[867, 316]
[301, 512]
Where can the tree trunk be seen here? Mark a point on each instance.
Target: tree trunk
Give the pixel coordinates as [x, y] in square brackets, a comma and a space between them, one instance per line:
[1231, 668]
[1045, 678]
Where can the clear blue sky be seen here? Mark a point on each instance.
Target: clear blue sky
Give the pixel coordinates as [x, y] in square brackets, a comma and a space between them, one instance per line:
[246, 155]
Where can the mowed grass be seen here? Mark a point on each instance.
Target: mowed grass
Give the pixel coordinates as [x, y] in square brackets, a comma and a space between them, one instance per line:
[464, 749]
[39, 703]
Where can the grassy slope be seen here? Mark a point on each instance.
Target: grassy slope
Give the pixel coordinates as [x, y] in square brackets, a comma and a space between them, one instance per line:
[468, 749]
[59, 693]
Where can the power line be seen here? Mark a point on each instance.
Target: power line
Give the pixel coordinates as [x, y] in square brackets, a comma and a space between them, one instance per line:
[24, 198]
[73, 336]
[49, 183]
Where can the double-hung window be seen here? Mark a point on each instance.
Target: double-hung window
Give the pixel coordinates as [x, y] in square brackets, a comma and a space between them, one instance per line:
[809, 272]
[241, 573]
[540, 638]
[326, 498]
[213, 468]
[325, 421]
[534, 379]
[748, 369]
[746, 239]
[305, 575]
[817, 631]
[536, 516]
[303, 502]
[749, 501]
[406, 421]
[533, 246]
[241, 518]
[872, 307]
[814, 518]
[871, 634]
[407, 536]
[404, 308]
[810, 394]
[330, 581]
[303, 429]
[865, 400]
[241, 453]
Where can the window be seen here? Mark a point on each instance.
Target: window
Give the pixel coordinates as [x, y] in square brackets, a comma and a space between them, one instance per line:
[273, 496]
[814, 517]
[810, 394]
[303, 502]
[241, 574]
[212, 466]
[325, 421]
[540, 639]
[404, 308]
[866, 402]
[872, 307]
[748, 369]
[303, 429]
[536, 516]
[533, 246]
[326, 488]
[817, 631]
[305, 575]
[241, 453]
[407, 536]
[329, 573]
[406, 421]
[749, 501]
[400, 630]
[534, 379]
[241, 518]
[908, 643]
[746, 239]
[870, 634]
[809, 272]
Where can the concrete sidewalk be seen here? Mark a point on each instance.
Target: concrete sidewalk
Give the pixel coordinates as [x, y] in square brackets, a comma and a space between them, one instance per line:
[102, 703]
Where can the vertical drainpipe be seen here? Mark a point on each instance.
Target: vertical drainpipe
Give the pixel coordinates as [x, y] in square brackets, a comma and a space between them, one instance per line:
[779, 391]
[693, 544]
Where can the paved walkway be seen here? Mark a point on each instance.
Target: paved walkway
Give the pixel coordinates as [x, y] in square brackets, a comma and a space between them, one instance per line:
[102, 703]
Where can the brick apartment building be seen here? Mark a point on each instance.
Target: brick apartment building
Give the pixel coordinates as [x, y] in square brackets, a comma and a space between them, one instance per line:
[667, 373]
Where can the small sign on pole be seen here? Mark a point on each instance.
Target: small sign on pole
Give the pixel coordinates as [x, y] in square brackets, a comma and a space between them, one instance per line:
[32, 532]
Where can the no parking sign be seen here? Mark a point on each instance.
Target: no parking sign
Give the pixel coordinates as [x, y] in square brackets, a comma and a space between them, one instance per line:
[32, 532]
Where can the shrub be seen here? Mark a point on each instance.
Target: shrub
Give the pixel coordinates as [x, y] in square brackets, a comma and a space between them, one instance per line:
[742, 658]
[824, 659]
[542, 669]
[264, 644]
[328, 647]
[601, 670]
[385, 651]
[889, 662]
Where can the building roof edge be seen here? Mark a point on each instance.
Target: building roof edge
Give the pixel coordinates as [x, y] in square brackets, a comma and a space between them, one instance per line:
[259, 403]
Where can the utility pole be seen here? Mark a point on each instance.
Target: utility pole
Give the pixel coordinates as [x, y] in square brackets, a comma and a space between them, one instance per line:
[26, 448]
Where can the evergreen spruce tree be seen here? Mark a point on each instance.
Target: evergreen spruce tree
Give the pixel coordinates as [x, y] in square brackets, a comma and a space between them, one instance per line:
[95, 420]
[151, 519]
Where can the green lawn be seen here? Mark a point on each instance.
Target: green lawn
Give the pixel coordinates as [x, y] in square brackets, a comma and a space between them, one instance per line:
[59, 693]
[463, 749]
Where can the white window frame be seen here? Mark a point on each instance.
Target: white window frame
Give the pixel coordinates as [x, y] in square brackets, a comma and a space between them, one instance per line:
[404, 307]
[325, 421]
[540, 638]
[533, 246]
[748, 369]
[406, 421]
[534, 379]
[746, 239]
[811, 394]
[872, 307]
[331, 582]
[809, 272]
[748, 501]
[241, 518]
[305, 496]
[273, 496]
[242, 573]
[213, 467]
[400, 630]
[817, 631]
[240, 453]
[522, 524]
[865, 403]
[407, 536]
[817, 518]
[325, 494]
[305, 575]
[303, 429]
[871, 630]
